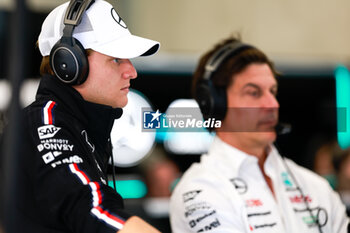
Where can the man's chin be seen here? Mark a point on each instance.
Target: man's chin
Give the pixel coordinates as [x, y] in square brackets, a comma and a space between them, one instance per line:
[120, 103]
[267, 137]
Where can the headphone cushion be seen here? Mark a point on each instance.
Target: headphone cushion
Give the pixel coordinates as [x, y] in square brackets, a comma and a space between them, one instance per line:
[204, 99]
[211, 100]
[220, 102]
[69, 62]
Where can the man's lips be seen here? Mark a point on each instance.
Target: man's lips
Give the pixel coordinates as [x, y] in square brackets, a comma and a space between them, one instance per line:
[125, 88]
[267, 124]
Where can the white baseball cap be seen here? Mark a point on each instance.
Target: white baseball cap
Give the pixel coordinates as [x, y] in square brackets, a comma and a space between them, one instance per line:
[101, 29]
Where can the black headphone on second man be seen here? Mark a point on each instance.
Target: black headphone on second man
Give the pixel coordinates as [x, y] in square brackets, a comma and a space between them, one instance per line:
[68, 57]
[212, 100]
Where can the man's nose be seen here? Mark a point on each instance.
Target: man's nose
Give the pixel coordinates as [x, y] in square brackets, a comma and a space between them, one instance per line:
[130, 72]
[270, 101]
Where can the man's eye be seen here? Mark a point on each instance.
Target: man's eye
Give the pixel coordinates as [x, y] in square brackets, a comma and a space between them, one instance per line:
[253, 93]
[116, 60]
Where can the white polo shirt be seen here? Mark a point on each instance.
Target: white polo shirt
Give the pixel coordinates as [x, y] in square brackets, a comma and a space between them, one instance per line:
[226, 193]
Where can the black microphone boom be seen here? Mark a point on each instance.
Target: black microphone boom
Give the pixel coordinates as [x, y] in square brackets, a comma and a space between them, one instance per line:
[283, 128]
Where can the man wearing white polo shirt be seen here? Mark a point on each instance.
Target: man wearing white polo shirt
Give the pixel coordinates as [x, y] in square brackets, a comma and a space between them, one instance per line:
[243, 184]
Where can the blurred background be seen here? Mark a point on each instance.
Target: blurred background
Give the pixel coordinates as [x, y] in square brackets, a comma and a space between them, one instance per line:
[307, 40]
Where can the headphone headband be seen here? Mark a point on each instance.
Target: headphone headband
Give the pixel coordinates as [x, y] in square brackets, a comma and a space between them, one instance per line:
[75, 11]
[72, 18]
[68, 57]
[220, 55]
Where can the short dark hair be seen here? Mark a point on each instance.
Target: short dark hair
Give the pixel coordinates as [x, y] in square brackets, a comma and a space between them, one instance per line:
[224, 74]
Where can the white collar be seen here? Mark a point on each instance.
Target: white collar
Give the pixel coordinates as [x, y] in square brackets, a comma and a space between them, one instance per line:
[222, 152]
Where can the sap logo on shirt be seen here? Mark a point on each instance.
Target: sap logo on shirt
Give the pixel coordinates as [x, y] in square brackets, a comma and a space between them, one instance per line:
[47, 131]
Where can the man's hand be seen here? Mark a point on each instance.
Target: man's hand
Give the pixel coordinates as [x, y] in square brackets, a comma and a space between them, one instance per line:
[137, 225]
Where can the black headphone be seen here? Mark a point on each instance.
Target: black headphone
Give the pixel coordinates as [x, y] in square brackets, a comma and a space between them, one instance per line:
[212, 100]
[68, 58]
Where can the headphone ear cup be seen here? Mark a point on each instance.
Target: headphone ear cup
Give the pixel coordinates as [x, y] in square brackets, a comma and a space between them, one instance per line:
[211, 100]
[220, 102]
[69, 62]
[204, 99]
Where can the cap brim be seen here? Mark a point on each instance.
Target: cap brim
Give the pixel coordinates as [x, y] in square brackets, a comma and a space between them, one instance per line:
[128, 47]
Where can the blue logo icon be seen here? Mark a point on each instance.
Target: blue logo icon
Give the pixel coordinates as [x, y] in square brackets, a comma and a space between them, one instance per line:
[285, 177]
[151, 120]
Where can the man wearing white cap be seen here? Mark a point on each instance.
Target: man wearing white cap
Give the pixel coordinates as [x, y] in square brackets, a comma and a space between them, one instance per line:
[66, 146]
